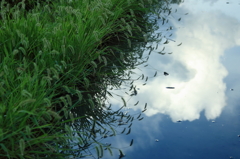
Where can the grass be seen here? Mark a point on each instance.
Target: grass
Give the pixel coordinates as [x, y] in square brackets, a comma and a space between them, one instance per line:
[56, 62]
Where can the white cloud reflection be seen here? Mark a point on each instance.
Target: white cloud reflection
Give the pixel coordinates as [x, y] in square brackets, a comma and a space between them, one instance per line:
[195, 71]
[205, 37]
[195, 68]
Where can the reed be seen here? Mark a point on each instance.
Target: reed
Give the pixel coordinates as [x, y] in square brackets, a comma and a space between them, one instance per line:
[56, 57]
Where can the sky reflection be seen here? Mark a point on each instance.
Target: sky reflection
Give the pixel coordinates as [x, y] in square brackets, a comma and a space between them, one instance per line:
[195, 68]
[203, 70]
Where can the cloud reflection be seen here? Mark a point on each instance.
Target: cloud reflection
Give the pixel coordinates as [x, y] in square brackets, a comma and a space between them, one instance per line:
[195, 71]
[195, 68]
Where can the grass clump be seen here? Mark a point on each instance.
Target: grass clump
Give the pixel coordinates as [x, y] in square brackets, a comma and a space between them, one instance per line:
[56, 61]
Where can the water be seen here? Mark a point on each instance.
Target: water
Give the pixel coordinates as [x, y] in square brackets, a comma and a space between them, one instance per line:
[199, 117]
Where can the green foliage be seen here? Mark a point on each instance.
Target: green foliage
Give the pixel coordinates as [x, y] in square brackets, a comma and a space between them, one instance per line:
[56, 61]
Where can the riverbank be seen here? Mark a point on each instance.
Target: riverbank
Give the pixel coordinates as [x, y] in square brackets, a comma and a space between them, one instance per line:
[51, 56]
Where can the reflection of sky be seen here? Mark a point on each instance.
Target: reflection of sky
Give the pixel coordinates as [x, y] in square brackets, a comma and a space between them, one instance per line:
[195, 67]
[202, 70]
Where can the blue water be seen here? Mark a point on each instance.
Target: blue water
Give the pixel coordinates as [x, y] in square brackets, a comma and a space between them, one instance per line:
[208, 109]
[199, 139]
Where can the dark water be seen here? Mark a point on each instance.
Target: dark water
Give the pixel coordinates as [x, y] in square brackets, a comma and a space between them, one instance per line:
[200, 117]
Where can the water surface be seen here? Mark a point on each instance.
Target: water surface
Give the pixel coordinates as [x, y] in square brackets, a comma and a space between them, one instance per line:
[200, 117]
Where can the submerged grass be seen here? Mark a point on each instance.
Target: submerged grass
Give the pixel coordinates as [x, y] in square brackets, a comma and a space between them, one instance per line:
[57, 57]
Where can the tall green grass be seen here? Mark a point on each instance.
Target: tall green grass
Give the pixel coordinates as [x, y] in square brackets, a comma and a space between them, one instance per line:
[58, 57]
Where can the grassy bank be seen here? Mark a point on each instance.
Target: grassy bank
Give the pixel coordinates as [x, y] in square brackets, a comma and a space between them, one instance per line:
[51, 57]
